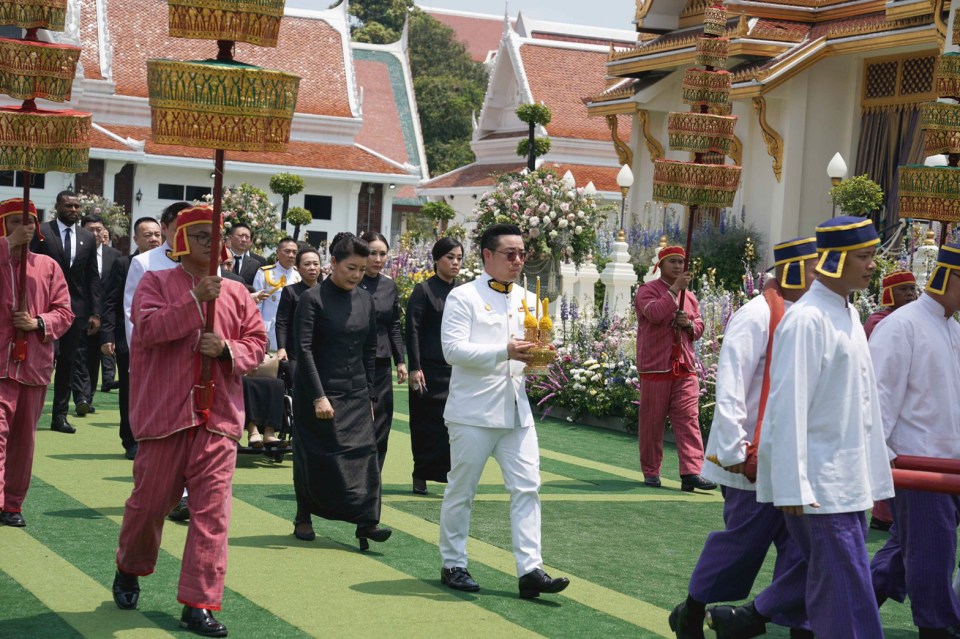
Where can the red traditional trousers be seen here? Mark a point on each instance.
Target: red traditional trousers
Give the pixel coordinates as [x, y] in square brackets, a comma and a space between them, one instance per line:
[20, 407]
[203, 462]
[675, 397]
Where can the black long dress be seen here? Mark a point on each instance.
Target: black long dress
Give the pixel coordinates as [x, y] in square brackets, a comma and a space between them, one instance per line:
[389, 344]
[428, 433]
[335, 472]
[284, 325]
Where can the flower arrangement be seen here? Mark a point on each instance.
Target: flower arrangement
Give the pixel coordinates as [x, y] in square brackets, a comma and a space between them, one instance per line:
[557, 220]
[246, 204]
[115, 217]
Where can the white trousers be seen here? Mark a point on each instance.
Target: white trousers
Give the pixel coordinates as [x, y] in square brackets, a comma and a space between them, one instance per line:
[517, 452]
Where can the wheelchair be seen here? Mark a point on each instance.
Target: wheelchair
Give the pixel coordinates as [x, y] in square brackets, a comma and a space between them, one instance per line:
[277, 389]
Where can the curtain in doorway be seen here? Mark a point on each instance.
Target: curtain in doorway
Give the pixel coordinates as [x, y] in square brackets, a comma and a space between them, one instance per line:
[889, 138]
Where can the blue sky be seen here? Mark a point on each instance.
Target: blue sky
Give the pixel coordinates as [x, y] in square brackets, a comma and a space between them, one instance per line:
[598, 13]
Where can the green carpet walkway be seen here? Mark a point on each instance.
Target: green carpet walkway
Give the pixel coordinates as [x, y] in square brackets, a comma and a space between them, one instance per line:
[628, 549]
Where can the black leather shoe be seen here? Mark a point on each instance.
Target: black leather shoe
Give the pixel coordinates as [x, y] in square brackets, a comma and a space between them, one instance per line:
[180, 512]
[651, 481]
[536, 581]
[375, 533]
[419, 486]
[109, 386]
[690, 482]
[83, 408]
[126, 591]
[303, 530]
[14, 520]
[879, 524]
[458, 579]
[686, 623]
[201, 622]
[61, 425]
[131, 453]
[802, 633]
[940, 633]
[740, 622]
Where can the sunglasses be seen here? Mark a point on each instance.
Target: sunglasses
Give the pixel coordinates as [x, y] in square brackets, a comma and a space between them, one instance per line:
[513, 256]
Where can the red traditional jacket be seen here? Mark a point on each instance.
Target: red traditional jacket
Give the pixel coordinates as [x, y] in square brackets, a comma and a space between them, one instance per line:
[165, 362]
[656, 335]
[48, 298]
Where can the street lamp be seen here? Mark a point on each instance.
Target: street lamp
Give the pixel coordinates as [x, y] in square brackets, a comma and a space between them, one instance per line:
[936, 160]
[836, 171]
[624, 181]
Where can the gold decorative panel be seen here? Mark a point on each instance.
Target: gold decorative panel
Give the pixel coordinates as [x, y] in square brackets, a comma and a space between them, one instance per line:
[898, 81]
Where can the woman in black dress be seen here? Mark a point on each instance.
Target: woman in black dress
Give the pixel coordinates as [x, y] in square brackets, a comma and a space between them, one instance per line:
[389, 337]
[429, 372]
[335, 471]
[308, 265]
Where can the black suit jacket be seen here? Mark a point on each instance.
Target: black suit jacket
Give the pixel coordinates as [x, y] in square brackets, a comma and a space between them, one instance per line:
[249, 267]
[109, 258]
[83, 278]
[112, 326]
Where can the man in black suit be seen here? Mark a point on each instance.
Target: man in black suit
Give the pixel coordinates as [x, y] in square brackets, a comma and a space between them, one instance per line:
[113, 334]
[245, 263]
[86, 370]
[75, 250]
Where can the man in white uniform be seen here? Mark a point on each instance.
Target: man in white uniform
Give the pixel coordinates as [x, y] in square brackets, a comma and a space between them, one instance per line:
[269, 281]
[916, 356]
[822, 458]
[487, 412]
[732, 558]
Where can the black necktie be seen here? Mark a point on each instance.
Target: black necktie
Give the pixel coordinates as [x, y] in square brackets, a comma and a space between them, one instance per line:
[236, 264]
[68, 248]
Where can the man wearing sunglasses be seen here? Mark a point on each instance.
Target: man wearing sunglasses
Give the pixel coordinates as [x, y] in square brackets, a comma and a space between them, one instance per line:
[487, 412]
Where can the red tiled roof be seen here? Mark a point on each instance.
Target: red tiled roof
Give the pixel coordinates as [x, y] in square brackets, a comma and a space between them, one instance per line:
[484, 175]
[89, 44]
[307, 47]
[381, 129]
[299, 154]
[782, 30]
[479, 35]
[563, 37]
[560, 77]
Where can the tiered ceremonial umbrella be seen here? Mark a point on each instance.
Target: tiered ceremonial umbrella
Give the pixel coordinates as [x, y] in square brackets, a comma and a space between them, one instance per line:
[221, 104]
[35, 140]
[706, 131]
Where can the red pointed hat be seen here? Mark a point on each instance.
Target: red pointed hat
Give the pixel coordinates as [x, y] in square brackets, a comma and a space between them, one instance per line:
[187, 218]
[15, 207]
[666, 252]
[891, 281]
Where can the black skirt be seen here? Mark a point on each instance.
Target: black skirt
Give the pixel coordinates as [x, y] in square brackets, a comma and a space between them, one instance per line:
[263, 401]
[335, 472]
[428, 433]
[383, 409]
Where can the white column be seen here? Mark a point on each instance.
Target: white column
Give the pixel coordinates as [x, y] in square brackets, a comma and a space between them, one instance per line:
[619, 278]
[587, 277]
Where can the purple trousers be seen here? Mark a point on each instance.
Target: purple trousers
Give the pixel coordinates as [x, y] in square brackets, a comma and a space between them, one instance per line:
[834, 579]
[918, 560]
[732, 558]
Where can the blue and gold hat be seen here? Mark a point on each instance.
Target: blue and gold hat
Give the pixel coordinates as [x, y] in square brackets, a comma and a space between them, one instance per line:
[790, 255]
[948, 259]
[837, 236]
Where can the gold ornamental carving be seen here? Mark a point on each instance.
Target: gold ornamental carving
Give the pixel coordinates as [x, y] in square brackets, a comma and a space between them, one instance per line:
[624, 152]
[654, 148]
[770, 136]
[736, 151]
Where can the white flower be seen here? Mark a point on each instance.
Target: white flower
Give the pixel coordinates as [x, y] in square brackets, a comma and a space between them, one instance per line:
[534, 221]
[562, 224]
[535, 232]
[580, 214]
[553, 234]
[594, 366]
[593, 392]
[553, 215]
[590, 362]
[578, 230]
[596, 377]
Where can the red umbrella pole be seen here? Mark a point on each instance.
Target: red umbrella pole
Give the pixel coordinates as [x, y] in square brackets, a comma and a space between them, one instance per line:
[205, 390]
[927, 481]
[20, 340]
[929, 464]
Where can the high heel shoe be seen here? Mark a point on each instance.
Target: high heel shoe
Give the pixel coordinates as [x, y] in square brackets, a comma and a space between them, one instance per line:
[372, 532]
[303, 535]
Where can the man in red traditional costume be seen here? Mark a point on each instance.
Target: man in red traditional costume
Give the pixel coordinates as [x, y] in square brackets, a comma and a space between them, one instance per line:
[181, 443]
[899, 289]
[668, 379]
[24, 380]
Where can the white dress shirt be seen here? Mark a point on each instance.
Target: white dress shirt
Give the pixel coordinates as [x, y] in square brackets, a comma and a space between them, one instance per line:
[823, 438]
[486, 388]
[62, 228]
[916, 355]
[153, 260]
[739, 381]
[268, 307]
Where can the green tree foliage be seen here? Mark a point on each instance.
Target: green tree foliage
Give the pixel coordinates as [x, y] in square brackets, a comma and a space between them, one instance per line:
[378, 21]
[533, 147]
[858, 196]
[285, 185]
[298, 216]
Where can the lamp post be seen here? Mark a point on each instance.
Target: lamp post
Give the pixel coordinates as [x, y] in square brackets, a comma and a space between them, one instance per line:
[836, 171]
[624, 181]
